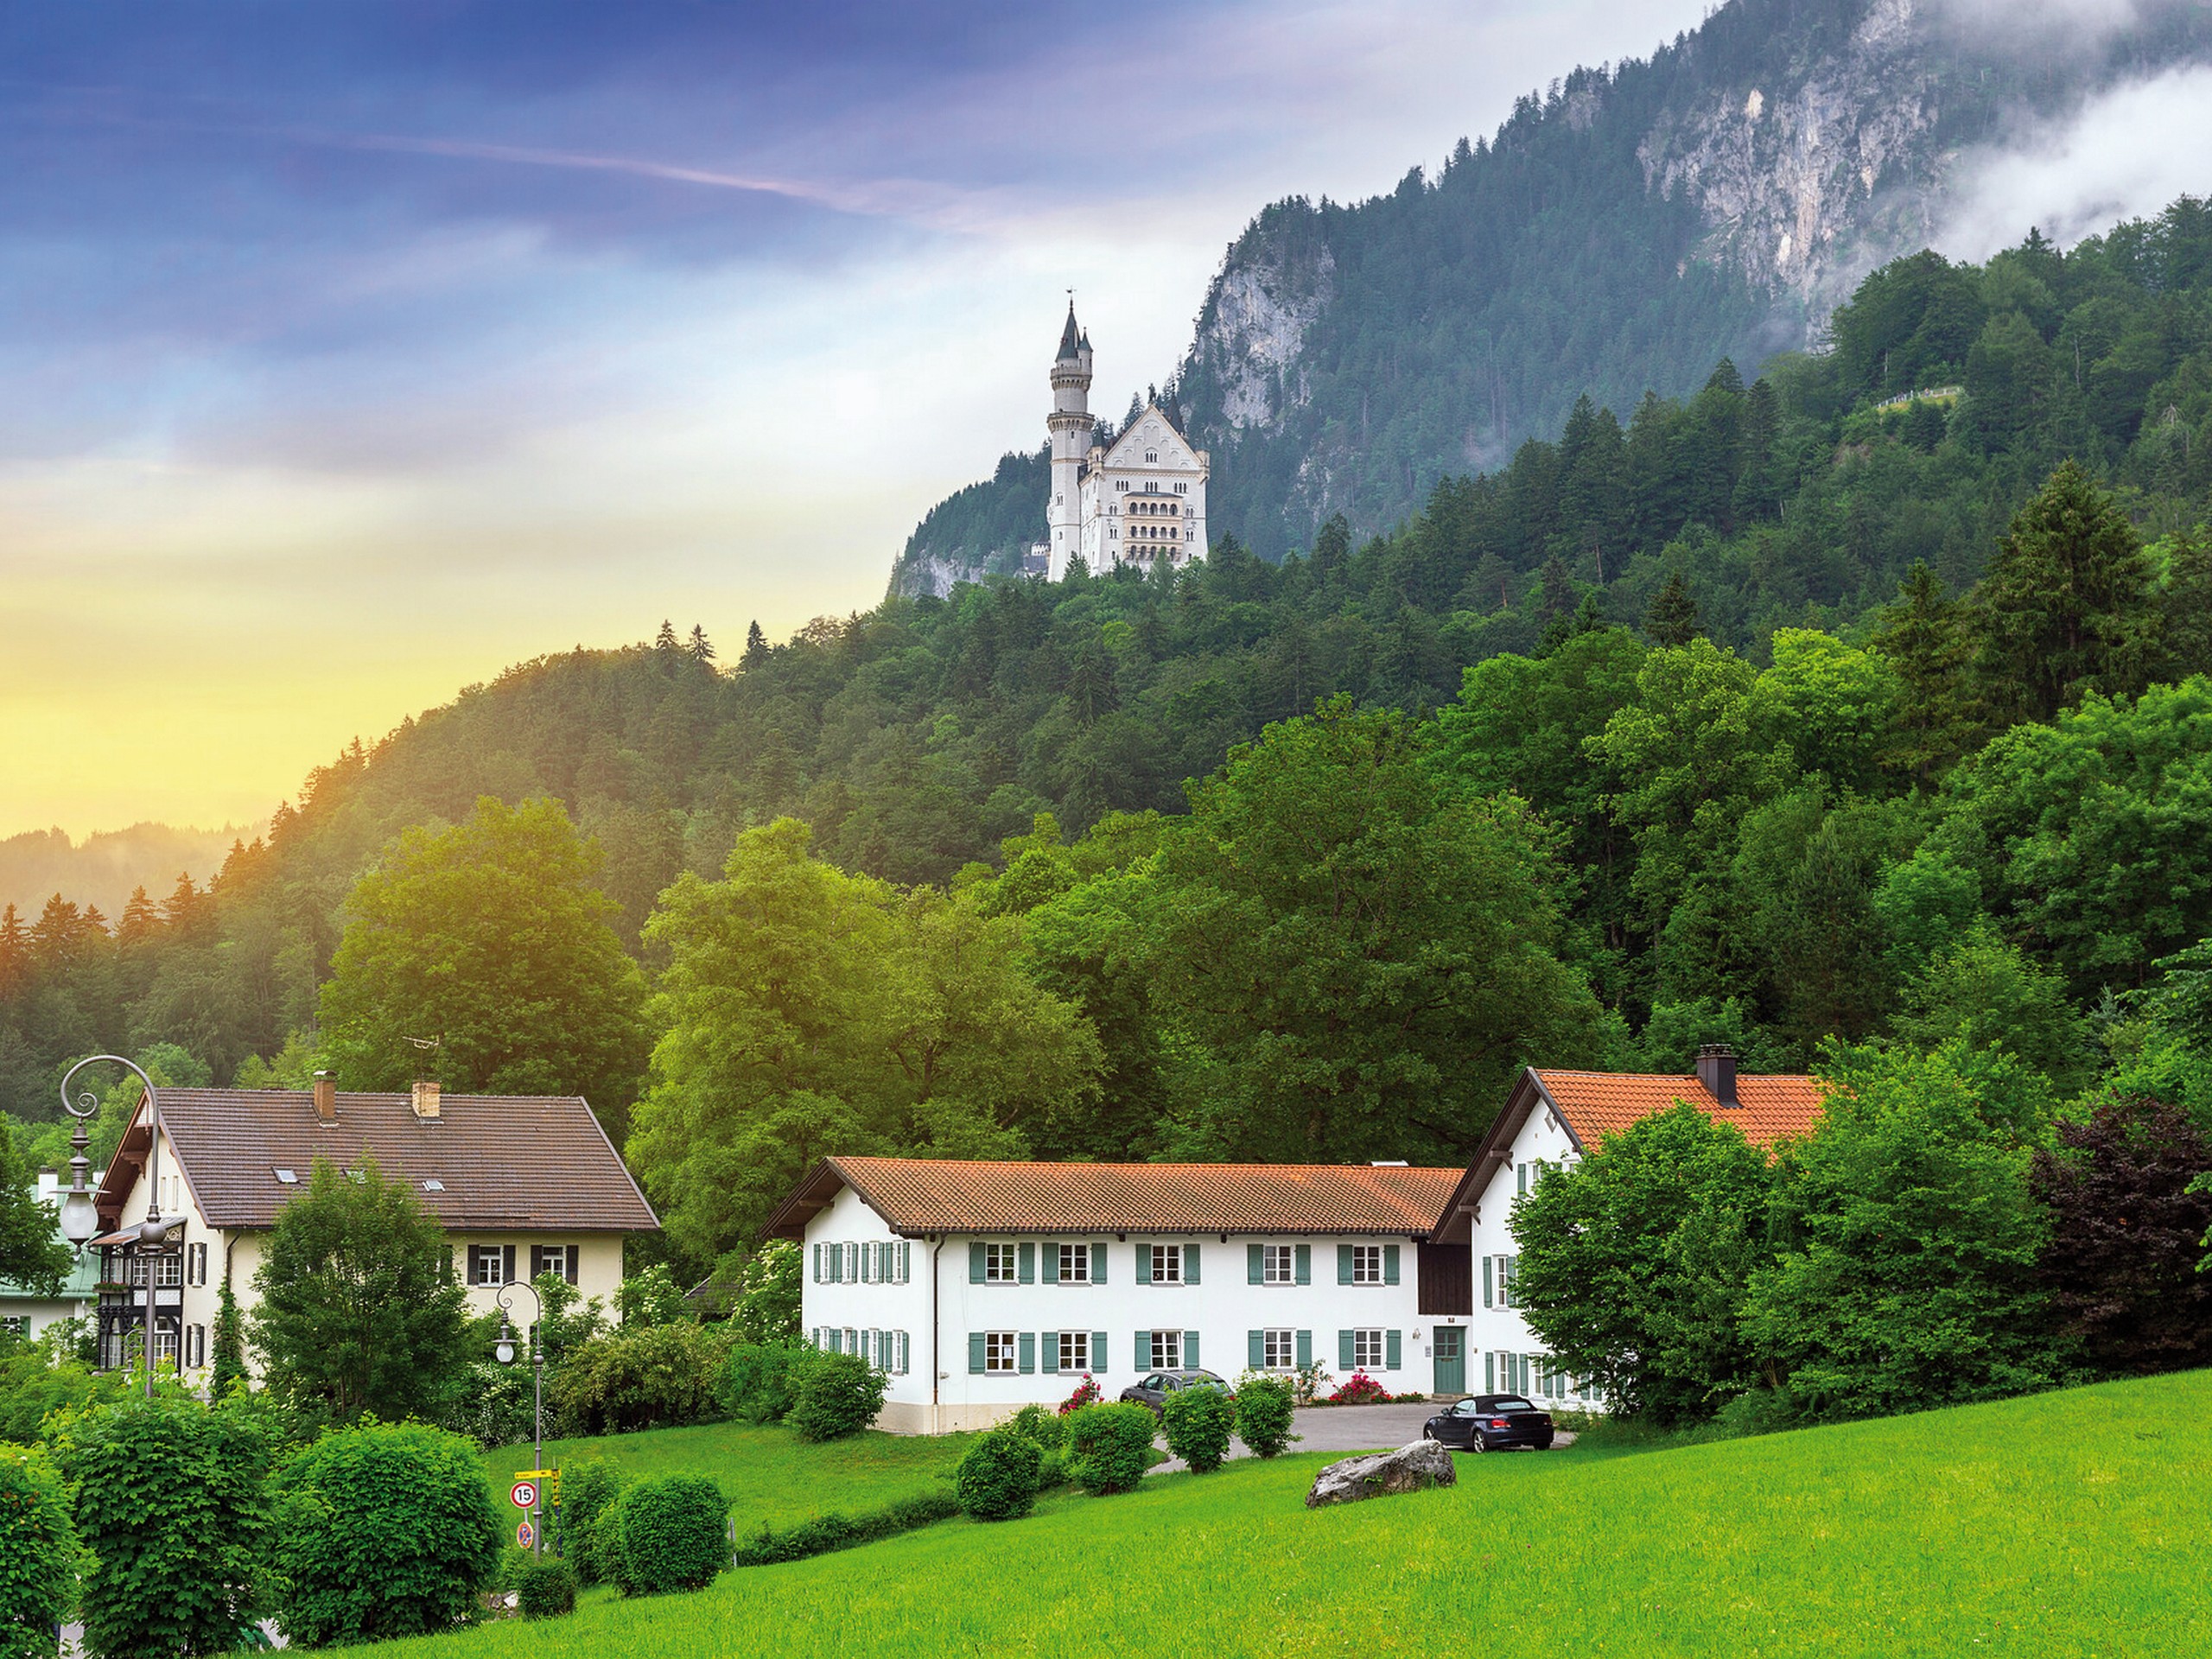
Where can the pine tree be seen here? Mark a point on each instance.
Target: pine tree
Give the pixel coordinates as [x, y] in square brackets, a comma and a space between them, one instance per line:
[664, 641]
[700, 649]
[140, 919]
[1924, 637]
[227, 1368]
[1672, 618]
[2186, 647]
[756, 647]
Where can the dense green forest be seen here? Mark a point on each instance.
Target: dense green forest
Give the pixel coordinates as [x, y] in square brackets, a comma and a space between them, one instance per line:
[1468, 308]
[1778, 714]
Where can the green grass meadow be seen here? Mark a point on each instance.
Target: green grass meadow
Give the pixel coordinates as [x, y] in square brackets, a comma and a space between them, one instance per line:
[2071, 1523]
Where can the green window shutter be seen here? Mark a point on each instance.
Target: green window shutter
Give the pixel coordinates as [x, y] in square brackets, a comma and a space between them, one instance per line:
[1344, 1264]
[1389, 1264]
[1486, 1301]
[1026, 1264]
[1344, 1351]
[1393, 1351]
[1049, 1361]
[1490, 1373]
[1098, 1262]
[1520, 1380]
[975, 1352]
[1144, 1262]
[1304, 1273]
[1190, 1264]
[1025, 1343]
[1255, 1264]
[1191, 1349]
[1304, 1349]
[976, 1264]
[905, 1261]
[1255, 1349]
[1098, 1341]
[1522, 1171]
[1143, 1350]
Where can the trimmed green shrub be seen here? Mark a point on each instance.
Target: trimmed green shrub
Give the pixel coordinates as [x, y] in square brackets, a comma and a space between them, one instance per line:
[658, 1376]
[385, 1529]
[1199, 1422]
[1000, 1475]
[1053, 1469]
[826, 1532]
[1264, 1405]
[834, 1395]
[1110, 1445]
[38, 1554]
[170, 1501]
[589, 1487]
[546, 1589]
[1040, 1424]
[670, 1533]
[756, 1385]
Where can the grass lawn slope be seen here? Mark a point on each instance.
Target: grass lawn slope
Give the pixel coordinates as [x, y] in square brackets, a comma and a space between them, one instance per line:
[2067, 1524]
[769, 1474]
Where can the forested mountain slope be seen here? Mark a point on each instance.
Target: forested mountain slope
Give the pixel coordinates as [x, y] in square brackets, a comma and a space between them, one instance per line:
[1920, 773]
[1618, 234]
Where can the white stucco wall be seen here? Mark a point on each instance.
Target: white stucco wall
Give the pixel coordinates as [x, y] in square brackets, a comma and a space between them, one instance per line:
[1506, 1355]
[1222, 1308]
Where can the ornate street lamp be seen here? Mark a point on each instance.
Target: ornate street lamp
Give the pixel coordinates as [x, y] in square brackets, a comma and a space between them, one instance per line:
[80, 1220]
[504, 1351]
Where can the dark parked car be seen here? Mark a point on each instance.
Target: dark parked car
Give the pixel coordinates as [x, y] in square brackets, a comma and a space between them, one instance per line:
[1153, 1390]
[1492, 1422]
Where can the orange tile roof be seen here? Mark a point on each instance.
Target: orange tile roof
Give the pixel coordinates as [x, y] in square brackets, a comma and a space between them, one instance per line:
[1600, 1103]
[922, 1195]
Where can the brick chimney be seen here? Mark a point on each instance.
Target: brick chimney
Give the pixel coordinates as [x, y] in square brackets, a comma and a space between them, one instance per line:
[1716, 1069]
[426, 1098]
[325, 1098]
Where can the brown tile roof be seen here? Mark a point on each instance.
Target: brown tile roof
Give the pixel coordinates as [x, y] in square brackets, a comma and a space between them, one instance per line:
[920, 1195]
[1599, 1103]
[520, 1163]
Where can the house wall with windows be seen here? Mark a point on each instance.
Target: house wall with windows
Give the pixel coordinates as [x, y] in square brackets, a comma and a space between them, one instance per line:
[1505, 1356]
[995, 1321]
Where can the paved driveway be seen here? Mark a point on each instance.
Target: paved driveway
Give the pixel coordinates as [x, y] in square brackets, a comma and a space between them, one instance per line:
[1340, 1428]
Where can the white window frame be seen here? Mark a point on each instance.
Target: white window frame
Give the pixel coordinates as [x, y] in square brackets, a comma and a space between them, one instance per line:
[1278, 1264]
[1279, 1349]
[1075, 1354]
[1001, 1264]
[559, 1264]
[16, 1325]
[487, 1267]
[1367, 1349]
[1070, 1264]
[1366, 1264]
[1167, 1265]
[1166, 1351]
[1001, 1352]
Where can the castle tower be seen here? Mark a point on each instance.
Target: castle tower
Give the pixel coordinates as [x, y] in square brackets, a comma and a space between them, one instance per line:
[1072, 427]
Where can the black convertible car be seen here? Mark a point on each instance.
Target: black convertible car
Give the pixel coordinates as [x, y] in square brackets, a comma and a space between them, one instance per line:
[1492, 1422]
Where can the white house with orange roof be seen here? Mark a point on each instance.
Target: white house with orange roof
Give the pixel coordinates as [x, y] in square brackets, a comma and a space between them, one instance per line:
[1550, 1120]
[980, 1287]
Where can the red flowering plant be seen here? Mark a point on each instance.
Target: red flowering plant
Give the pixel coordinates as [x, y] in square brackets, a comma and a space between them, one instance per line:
[1087, 1393]
[1359, 1389]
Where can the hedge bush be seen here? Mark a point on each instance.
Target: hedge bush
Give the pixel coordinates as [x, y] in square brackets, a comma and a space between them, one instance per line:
[826, 1532]
[171, 1500]
[671, 1535]
[589, 1487]
[834, 1395]
[38, 1554]
[1000, 1475]
[1199, 1422]
[546, 1589]
[756, 1384]
[1264, 1406]
[1110, 1446]
[385, 1529]
[1038, 1423]
[655, 1377]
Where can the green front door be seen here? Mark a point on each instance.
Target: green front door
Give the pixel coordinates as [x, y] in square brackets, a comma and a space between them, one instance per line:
[1451, 1359]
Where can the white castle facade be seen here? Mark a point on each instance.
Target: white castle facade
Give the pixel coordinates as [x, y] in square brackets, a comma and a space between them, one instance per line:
[1143, 499]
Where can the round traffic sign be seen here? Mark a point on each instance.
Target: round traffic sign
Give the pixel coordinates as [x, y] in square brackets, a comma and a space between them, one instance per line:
[526, 1534]
[523, 1495]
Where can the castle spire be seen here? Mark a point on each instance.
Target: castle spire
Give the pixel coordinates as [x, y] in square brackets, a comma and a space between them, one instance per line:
[1070, 336]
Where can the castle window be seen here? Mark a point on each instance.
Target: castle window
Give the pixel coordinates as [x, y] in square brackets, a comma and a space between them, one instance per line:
[1151, 488]
[1182, 489]
[1151, 455]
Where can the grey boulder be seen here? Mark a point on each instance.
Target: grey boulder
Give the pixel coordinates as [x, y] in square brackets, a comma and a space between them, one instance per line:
[1409, 1468]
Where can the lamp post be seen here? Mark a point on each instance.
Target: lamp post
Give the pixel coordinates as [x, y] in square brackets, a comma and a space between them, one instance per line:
[503, 1352]
[79, 1217]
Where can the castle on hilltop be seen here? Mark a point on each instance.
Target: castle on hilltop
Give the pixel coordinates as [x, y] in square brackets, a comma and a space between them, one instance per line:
[1141, 500]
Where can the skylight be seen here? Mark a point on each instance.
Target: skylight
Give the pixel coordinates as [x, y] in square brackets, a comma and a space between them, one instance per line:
[433, 1186]
[290, 1178]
